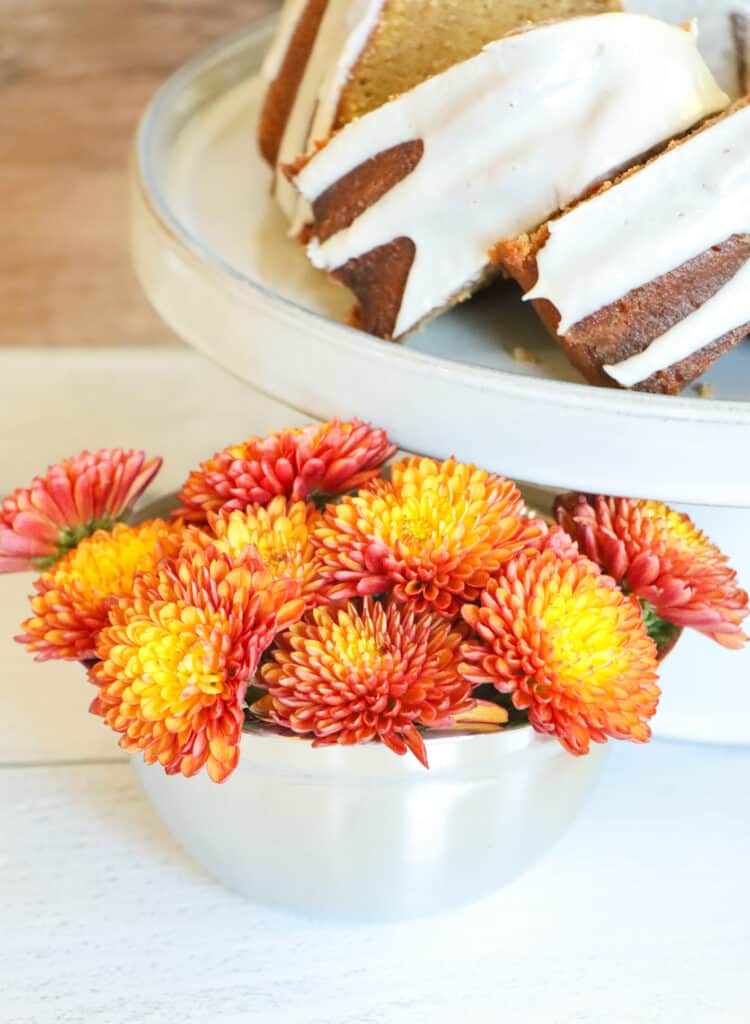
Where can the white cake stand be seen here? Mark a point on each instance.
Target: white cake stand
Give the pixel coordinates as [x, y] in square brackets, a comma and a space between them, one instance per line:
[211, 253]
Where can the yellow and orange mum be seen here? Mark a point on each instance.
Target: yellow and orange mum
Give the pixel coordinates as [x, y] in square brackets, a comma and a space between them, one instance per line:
[282, 535]
[73, 598]
[434, 534]
[329, 458]
[178, 654]
[661, 556]
[369, 672]
[569, 646]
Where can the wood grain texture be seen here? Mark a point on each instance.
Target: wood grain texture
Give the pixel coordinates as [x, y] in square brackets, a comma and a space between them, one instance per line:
[74, 78]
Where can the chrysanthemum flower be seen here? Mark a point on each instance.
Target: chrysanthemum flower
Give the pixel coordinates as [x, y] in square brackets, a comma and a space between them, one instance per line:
[366, 673]
[89, 492]
[661, 556]
[434, 534]
[282, 535]
[326, 459]
[569, 646]
[178, 653]
[74, 597]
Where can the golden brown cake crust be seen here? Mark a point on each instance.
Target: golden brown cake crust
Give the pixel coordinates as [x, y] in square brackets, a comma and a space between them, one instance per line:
[340, 205]
[282, 92]
[378, 279]
[628, 326]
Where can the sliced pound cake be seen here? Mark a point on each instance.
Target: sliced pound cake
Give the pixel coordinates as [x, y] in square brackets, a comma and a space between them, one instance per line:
[647, 282]
[409, 200]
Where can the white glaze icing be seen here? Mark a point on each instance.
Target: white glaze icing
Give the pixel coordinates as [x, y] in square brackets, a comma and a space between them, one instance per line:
[726, 311]
[510, 136]
[291, 13]
[358, 19]
[342, 35]
[692, 197]
[716, 40]
[294, 140]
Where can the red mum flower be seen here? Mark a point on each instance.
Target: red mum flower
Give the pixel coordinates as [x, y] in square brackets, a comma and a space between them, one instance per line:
[361, 674]
[325, 459]
[662, 557]
[81, 495]
[569, 646]
[178, 654]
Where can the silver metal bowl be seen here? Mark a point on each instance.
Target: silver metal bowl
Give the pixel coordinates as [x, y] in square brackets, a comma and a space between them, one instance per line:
[358, 833]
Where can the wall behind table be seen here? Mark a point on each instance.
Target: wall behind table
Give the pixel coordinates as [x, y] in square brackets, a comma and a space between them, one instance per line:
[74, 78]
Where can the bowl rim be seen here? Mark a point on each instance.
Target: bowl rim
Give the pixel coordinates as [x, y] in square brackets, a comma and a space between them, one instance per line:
[480, 756]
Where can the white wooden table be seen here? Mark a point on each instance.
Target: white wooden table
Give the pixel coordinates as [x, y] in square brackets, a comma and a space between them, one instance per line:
[640, 915]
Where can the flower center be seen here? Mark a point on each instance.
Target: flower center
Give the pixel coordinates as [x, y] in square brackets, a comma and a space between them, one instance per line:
[361, 643]
[273, 549]
[107, 564]
[172, 667]
[422, 521]
[583, 629]
[360, 649]
[417, 529]
[280, 543]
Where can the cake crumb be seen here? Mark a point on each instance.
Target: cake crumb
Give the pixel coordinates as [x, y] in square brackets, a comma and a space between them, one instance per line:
[522, 355]
[705, 391]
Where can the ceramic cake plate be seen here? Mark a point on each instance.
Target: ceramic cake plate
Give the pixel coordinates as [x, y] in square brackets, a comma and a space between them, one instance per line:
[212, 254]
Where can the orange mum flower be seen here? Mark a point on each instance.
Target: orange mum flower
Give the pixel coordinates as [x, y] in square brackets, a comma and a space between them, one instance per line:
[330, 458]
[73, 598]
[434, 534]
[662, 557]
[569, 646]
[76, 498]
[282, 535]
[178, 654]
[375, 672]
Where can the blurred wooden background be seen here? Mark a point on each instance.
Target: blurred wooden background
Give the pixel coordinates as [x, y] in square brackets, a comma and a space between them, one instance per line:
[74, 77]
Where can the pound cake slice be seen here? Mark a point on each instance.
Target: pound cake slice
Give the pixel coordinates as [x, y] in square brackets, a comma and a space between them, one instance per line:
[409, 200]
[723, 34]
[647, 283]
[334, 60]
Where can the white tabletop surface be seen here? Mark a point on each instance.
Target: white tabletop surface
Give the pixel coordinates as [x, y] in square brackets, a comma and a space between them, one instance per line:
[640, 914]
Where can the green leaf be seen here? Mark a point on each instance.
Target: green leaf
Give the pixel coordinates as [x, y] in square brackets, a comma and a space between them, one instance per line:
[70, 537]
[663, 633]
